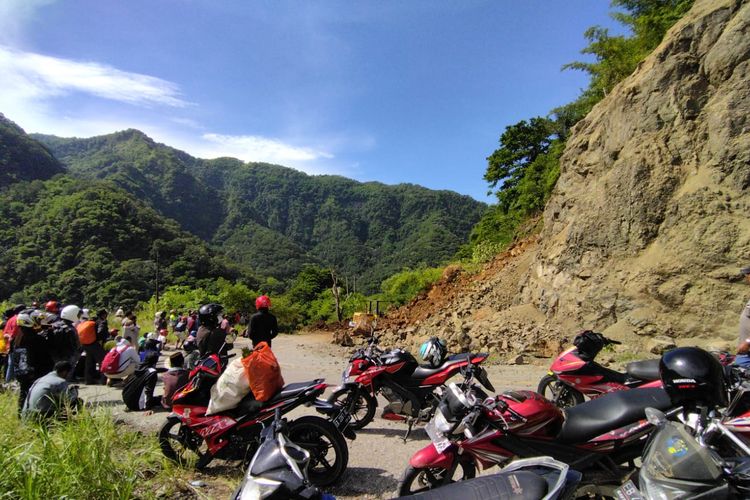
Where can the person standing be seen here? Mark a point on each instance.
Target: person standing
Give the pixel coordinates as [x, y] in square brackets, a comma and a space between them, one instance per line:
[102, 326]
[64, 338]
[210, 337]
[130, 328]
[93, 349]
[31, 352]
[263, 325]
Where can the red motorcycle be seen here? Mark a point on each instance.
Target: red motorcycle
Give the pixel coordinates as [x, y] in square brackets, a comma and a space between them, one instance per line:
[190, 435]
[408, 387]
[600, 438]
[574, 374]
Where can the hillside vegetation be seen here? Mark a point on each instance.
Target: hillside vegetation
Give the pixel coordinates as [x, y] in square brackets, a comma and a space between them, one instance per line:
[275, 220]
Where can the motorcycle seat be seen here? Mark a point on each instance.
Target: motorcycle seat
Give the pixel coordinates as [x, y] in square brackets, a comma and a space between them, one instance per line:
[648, 369]
[291, 390]
[609, 412]
[520, 484]
[424, 371]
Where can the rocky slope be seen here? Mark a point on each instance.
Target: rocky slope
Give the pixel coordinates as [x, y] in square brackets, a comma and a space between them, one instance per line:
[647, 227]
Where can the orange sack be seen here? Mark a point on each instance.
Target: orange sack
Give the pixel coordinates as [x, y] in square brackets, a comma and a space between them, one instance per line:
[263, 372]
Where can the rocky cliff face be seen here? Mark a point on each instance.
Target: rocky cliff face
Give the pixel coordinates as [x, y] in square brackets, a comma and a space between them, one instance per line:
[649, 222]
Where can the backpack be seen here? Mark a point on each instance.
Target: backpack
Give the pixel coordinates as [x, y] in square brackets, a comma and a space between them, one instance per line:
[111, 362]
[87, 332]
[180, 326]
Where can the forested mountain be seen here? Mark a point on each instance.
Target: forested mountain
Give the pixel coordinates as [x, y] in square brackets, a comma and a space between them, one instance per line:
[272, 219]
[22, 158]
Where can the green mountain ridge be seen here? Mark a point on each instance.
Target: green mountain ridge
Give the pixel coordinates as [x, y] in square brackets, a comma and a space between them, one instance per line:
[272, 219]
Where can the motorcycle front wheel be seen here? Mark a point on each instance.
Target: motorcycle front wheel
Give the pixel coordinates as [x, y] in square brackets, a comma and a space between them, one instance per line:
[329, 454]
[181, 444]
[558, 392]
[418, 480]
[362, 410]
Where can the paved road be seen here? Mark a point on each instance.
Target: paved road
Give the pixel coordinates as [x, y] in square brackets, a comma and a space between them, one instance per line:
[377, 457]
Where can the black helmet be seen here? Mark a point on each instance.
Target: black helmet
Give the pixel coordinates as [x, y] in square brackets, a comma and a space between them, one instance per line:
[692, 375]
[208, 314]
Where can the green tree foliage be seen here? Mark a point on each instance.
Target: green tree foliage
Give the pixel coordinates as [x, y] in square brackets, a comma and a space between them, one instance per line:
[404, 286]
[93, 244]
[616, 57]
[22, 158]
[525, 167]
[275, 220]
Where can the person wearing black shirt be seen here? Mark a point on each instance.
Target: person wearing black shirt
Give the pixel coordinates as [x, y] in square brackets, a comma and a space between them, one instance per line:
[263, 325]
[210, 337]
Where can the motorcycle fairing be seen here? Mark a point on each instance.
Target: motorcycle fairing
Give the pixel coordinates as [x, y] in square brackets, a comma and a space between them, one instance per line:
[445, 371]
[430, 457]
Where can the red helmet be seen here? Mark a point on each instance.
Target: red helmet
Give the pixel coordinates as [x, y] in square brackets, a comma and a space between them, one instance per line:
[52, 306]
[262, 302]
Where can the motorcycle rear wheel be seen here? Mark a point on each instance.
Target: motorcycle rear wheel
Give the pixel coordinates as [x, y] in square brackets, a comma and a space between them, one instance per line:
[320, 437]
[418, 480]
[364, 408]
[559, 392]
[182, 445]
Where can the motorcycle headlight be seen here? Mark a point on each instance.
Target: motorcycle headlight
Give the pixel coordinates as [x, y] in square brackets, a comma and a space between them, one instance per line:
[346, 372]
[441, 423]
[258, 487]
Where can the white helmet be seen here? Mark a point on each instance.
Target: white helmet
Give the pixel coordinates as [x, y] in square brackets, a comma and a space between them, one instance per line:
[70, 313]
[85, 314]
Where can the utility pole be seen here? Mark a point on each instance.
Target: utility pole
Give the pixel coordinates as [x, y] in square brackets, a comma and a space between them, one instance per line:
[155, 249]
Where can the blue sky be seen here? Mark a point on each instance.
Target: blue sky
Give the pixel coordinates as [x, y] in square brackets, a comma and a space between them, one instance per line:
[413, 91]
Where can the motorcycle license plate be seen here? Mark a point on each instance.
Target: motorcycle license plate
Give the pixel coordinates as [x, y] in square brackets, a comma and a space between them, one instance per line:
[342, 419]
[628, 491]
[440, 442]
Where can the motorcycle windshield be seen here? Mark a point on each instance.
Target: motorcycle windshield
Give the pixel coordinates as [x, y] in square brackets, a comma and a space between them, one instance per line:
[674, 454]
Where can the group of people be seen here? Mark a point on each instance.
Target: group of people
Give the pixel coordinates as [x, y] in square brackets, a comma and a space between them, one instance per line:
[43, 348]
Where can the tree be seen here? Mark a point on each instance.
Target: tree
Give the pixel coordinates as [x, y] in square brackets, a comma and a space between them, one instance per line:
[520, 145]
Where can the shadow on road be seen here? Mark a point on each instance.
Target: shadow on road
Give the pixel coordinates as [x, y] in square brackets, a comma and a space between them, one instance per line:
[416, 434]
[366, 481]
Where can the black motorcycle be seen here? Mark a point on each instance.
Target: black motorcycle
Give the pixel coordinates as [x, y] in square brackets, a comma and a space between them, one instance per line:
[278, 469]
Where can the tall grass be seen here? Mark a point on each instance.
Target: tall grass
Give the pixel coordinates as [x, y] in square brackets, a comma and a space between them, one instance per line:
[87, 457]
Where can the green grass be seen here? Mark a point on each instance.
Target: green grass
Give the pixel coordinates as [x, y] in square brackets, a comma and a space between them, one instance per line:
[88, 457]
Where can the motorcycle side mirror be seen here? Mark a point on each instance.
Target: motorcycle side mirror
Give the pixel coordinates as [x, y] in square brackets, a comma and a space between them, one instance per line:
[655, 417]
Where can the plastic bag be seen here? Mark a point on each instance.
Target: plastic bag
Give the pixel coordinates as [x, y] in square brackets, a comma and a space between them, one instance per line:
[263, 372]
[231, 387]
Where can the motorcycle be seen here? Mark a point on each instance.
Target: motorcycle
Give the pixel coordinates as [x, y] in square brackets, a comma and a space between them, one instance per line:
[702, 459]
[600, 438]
[574, 374]
[408, 387]
[278, 469]
[189, 435]
[526, 479]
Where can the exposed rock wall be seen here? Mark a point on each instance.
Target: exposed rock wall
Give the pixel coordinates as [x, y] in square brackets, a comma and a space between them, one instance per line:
[649, 222]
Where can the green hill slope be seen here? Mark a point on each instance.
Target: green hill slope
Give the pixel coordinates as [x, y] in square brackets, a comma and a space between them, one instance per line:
[22, 158]
[273, 219]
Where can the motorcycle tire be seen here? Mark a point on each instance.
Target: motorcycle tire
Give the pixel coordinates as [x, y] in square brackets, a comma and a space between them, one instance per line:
[319, 436]
[182, 445]
[561, 394]
[416, 480]
[364, 408]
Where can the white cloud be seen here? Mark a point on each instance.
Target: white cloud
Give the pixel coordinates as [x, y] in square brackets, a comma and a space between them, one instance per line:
[257, 148]
[27, 75]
